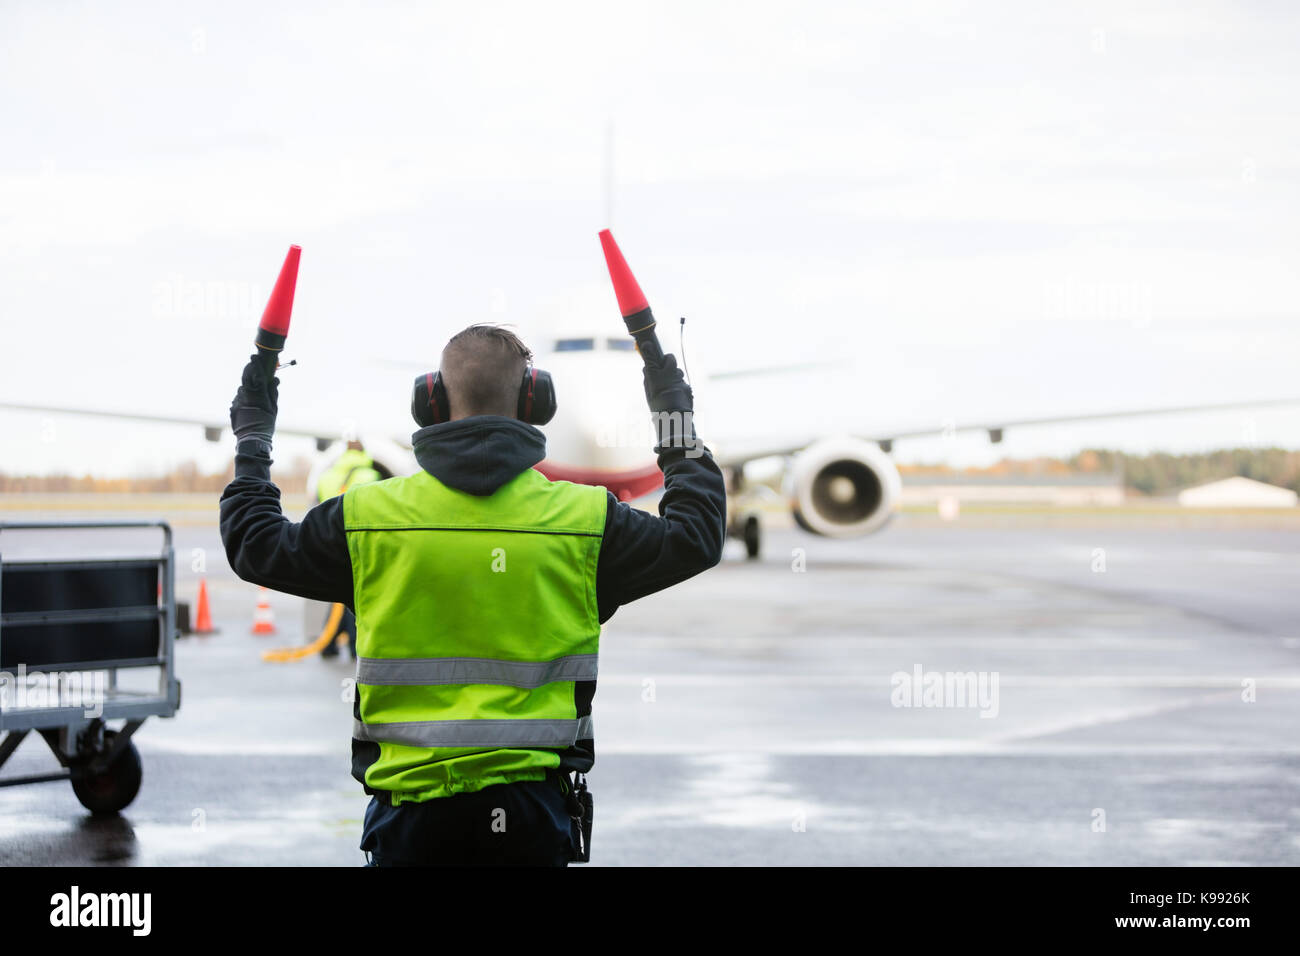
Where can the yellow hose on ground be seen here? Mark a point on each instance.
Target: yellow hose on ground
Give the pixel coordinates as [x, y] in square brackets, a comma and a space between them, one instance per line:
[282, 654]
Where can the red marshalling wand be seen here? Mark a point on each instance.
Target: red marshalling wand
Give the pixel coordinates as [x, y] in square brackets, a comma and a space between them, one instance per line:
[632, 303]
[274, 327]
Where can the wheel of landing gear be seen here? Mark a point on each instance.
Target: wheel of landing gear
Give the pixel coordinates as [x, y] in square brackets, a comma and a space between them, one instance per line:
[112, 790]
[753, 538]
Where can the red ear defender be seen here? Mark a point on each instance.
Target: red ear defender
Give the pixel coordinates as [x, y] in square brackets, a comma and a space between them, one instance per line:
[536, 397]
[429, 404]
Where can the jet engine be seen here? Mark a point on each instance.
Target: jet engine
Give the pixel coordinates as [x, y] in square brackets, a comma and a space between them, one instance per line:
[843, 488]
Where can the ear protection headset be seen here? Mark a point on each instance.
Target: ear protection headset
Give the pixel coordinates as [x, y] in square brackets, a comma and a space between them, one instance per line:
[429, 405]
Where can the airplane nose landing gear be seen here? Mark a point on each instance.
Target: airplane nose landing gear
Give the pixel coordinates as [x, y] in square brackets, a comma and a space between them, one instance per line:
[752, 536]
[748, 527]
[744, 503]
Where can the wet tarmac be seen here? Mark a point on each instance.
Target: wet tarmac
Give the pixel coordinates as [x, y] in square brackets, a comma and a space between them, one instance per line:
[1133, 706]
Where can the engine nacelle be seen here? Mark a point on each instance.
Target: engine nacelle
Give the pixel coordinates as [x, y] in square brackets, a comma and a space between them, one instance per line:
[843, 488]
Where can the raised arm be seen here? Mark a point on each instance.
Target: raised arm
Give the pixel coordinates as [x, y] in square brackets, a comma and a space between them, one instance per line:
[642, 553]
[307, 558]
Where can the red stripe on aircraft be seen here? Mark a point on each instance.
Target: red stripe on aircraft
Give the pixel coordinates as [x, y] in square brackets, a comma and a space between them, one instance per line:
[625, 485]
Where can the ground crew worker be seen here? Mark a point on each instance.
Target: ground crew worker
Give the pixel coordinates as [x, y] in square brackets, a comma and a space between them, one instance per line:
[354, 467]
[480, 587]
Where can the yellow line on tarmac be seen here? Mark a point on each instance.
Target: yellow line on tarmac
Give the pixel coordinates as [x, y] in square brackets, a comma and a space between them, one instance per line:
[282, 654]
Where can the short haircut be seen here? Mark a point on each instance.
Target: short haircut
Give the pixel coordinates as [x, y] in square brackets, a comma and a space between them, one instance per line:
[482, 367]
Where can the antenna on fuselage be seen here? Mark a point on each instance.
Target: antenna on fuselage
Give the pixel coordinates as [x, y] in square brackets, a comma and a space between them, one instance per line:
[609, 173]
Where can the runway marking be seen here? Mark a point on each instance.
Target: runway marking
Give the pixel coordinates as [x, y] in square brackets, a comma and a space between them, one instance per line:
[883, 747]
[1251, 557]
[210, 747]
[975, 641]
[940, 747]
[677, 745]
[728, 789]
[1113, 716]
[1280, 682]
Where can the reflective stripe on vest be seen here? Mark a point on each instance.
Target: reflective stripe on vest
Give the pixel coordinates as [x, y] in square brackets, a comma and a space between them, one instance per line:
[477, 733]
[474, 670]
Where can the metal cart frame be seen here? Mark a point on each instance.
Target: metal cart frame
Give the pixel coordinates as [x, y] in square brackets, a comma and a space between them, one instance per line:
[102, 764]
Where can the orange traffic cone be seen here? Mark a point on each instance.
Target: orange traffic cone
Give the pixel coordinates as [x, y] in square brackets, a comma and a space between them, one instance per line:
[263, 617]
[203, 619]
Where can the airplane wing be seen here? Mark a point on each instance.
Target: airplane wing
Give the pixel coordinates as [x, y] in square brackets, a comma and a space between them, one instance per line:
[727, 457]
[212, 430]
[769, 370]
[994, 428]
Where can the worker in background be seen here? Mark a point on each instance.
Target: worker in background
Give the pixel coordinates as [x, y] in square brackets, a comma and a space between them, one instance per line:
[353, 467]
[480, 587]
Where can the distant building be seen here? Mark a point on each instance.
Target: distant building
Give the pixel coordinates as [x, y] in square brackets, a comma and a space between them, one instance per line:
[1057, 490]
[1237, 493]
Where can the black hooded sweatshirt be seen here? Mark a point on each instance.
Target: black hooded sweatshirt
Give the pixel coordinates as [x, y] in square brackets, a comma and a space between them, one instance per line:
[640, 554]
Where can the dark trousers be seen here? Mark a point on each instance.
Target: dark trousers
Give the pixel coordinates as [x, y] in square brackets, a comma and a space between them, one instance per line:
[509, 824]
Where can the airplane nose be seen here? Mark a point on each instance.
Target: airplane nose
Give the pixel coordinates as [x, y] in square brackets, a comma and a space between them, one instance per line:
[613, 435]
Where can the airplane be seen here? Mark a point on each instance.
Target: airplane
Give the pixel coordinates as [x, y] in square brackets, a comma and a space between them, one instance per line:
[838, 485]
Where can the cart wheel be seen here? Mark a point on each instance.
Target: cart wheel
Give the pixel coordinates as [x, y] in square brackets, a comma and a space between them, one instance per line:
[108, 792]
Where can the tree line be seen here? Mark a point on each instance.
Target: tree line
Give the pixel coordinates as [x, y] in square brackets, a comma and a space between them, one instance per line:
[1157, 473]
[1161, 473]
[186, 478]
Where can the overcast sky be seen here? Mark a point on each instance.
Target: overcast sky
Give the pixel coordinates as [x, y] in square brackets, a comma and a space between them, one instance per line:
[1027, 210]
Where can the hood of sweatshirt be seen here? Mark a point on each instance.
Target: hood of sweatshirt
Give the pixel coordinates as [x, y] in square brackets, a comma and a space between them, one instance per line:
[479, 454]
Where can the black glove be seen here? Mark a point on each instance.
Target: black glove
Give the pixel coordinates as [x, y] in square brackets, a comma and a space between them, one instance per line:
[671, 408]
[666, 389]
[252, 413]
